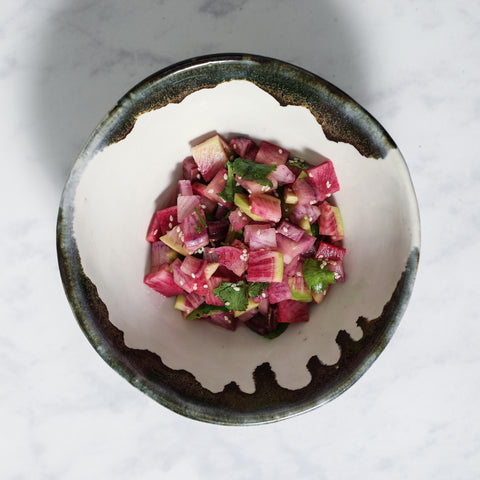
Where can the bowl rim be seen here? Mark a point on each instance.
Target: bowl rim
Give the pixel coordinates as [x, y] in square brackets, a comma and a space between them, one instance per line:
[92, 315]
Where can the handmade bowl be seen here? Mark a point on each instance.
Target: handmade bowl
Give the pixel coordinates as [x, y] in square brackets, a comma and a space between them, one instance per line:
[130, 165]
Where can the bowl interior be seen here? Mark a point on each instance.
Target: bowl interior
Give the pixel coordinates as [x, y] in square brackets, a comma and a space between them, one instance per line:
[129, 169]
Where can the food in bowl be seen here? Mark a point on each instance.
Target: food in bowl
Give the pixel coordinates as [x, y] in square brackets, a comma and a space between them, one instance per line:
[253, 236]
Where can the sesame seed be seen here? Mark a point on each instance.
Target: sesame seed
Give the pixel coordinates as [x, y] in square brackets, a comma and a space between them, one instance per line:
[225, 176]
[285, 229]
[205, 286]
[280, 151]
[237, 289]
[195, 286]
[171, 218]
[156, 231]
[310, 175]
[264, 295]
[193, 275]
[244, 250]
[329, 194]
[203, 206]
[198, 176]
[182, 282]
[336, 276]
[312, 202]
[227, 304]
[210, 190]
[225, 317]
[170, 225]
[249, 191]
[328, 184]
[234, 146]
[258, 232]
[310, 219]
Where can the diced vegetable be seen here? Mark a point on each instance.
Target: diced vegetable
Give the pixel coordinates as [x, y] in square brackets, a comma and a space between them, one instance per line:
[210, 156]
[323, 176]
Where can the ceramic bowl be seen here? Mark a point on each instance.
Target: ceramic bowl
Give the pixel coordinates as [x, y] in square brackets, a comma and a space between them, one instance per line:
[128, 168]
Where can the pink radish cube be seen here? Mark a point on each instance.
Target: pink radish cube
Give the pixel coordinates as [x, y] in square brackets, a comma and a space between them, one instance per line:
[271, 154]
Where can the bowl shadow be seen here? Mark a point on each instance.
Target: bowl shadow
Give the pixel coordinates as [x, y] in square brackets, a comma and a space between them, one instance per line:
[92, 52]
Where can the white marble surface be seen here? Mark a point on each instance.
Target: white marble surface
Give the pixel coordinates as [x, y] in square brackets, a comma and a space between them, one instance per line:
[64, 414]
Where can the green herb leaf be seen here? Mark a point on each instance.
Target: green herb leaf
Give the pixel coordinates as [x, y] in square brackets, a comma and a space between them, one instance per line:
[250, 170]
[277, 332]
[205, 309]
[233, 295]
[228, 192]
[298, 162]
[315, 230]
[201, 221]
[317, 276]
[256, 288]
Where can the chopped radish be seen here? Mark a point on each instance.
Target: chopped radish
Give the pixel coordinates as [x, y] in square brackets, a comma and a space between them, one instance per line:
[265, 266]
[210, 156]
[324, 178]
[162, 281]
[271, 154]
[291, 311]
[244, 147]
[266, 206]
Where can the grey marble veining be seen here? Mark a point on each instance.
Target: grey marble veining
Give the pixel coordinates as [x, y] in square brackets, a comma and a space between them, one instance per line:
[414, 65]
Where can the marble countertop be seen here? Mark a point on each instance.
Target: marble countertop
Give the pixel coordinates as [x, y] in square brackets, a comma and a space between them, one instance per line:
[65, 414]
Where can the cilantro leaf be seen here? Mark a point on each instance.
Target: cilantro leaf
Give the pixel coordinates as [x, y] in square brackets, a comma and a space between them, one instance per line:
[233, 295]
[298, 162]
[205, 309]
[250, 170]
[277, 332]
[315, 230]
[228, 192]
[201, 221]
[256, 288]
[317, 276]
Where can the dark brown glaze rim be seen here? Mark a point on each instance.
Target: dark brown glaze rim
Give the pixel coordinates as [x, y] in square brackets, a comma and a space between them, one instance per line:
[342, 120]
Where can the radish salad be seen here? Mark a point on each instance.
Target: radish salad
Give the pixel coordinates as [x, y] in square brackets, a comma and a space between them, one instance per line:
[253, 238]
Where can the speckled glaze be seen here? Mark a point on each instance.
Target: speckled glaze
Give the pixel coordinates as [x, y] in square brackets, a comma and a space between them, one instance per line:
[342, 120]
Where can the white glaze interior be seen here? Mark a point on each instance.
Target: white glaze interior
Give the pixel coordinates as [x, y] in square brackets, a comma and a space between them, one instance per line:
[118, 193]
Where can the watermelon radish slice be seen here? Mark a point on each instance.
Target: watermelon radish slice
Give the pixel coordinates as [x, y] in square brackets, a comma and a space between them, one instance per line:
[162, 282]
[253, 250]
[244, 147]
[233, 258]
[291, 311]
[330, 222]
[279, 291]
[264, 239]
[283, 175]
[272, 154]
[238, 219]
[324, 178]
[162, 221]
[210, 156]
[265, 206]
[328, 251]
[265, 266]
[161, 254]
